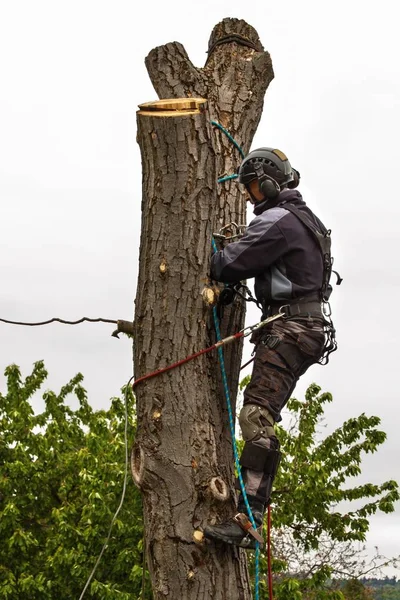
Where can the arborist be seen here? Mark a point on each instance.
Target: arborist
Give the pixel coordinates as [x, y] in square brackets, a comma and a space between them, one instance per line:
[286, 248]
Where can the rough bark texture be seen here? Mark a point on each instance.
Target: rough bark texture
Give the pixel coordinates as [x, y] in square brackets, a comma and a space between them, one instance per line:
[182, 459]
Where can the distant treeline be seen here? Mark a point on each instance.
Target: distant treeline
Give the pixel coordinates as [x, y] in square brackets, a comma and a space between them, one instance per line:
[378, 583]
[387, 588]
[383, 589]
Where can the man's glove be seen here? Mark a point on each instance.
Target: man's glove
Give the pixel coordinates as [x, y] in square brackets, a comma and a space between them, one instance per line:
[226, 297]
[229, 233]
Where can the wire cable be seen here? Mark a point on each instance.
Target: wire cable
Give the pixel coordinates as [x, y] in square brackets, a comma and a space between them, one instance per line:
[57, 320]
[122, 496]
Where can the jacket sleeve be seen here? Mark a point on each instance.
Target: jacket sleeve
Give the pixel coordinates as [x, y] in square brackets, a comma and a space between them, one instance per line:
[261, 246]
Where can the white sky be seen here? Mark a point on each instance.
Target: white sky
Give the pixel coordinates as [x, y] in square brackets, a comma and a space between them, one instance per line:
[71, 77]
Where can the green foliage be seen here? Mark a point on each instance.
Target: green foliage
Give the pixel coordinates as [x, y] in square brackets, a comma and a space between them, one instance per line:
[312, 478]
[354, 589]
[383, 589]
[60, 483]
[61, 479]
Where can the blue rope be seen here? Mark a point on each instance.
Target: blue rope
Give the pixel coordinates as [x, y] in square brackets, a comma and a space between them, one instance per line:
[228, 135]
[235, 451]
[228, 396]
[227, 178]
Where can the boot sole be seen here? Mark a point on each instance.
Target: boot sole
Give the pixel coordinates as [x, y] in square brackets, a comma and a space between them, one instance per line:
[226, 540]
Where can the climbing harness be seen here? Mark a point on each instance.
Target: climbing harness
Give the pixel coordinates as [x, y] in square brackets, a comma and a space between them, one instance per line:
[323, 238]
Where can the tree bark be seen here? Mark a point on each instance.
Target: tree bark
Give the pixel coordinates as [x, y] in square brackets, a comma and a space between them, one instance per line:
[182, 459]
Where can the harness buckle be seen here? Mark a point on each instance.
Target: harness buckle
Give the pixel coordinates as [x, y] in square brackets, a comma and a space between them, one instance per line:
[326, 308]
[284, 312]
[271, 341]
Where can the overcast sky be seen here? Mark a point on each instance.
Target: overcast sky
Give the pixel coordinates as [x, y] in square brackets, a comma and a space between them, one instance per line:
[71, 77]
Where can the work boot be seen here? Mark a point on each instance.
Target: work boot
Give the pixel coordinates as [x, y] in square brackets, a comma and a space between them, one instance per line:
[231, 532]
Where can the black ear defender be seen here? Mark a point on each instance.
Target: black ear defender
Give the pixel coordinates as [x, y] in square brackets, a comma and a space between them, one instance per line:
[268, 187]
[295, 181]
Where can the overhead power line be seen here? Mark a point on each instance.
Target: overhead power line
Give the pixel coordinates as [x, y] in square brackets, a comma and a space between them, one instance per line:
[56, 319]
[122, 326]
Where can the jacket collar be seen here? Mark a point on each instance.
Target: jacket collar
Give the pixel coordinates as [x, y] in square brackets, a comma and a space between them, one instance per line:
[286, 195]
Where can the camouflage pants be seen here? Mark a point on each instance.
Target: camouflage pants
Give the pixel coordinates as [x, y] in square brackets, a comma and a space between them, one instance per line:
[284, 350]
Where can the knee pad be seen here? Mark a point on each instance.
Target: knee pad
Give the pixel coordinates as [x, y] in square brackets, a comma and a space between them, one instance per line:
[259, 458]
[256, 422]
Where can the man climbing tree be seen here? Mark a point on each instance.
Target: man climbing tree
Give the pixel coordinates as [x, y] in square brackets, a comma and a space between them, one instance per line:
[287, 249]
[191, 144]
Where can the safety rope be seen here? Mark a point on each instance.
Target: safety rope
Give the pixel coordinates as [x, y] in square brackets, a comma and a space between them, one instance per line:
[231, 419]
[217, 346]
[227, 178]
[235, 450]
[228, 397]
[230, 138]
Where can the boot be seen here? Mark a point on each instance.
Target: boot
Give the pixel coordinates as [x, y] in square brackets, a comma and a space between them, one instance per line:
[231, 532]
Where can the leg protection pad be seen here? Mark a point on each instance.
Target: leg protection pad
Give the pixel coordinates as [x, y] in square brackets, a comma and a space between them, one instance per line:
[256, 422]
[257, 458]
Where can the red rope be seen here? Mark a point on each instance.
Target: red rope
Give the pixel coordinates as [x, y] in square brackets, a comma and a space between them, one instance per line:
[227, 340]
[269, 553]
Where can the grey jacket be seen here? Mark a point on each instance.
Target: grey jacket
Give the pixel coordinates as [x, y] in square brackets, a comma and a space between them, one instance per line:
[277, 250]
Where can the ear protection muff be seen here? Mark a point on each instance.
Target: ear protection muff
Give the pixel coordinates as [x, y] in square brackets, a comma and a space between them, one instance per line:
[268, 187]
[295, 181]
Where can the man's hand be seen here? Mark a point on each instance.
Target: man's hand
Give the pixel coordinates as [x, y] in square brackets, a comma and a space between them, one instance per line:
[229, 233]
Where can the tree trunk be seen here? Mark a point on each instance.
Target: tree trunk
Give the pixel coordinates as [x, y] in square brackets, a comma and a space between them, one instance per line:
[182, 459]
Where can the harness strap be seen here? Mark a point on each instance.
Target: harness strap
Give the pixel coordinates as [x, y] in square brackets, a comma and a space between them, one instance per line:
[308, 309]
[303, 307]
[323, 238]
